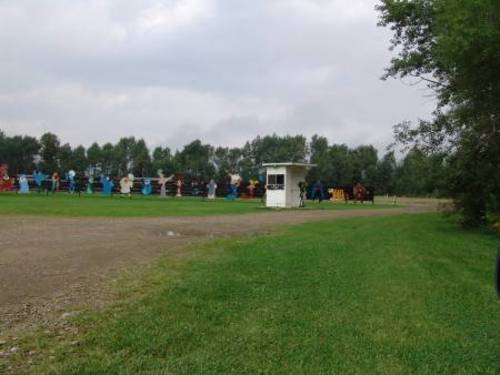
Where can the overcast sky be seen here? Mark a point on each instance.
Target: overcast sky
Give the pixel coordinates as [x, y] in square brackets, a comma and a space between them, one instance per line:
[223, 71]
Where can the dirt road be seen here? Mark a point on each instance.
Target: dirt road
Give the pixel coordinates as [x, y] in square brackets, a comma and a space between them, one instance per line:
[50, 265]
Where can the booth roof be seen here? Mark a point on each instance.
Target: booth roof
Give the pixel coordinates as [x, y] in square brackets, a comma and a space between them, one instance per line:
[290, 164]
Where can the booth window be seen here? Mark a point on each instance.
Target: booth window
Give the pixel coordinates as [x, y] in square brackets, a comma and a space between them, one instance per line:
[276, 181]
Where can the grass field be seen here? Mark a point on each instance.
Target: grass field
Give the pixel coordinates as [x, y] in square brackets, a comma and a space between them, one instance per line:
[63, 204]
[410, 294]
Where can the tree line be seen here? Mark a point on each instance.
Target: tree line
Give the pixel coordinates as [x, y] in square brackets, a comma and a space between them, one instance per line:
[417, 174]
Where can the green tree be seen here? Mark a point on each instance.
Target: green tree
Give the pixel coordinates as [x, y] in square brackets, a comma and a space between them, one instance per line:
[454, 47]
[69, 158]
[272, 148]
[163, 159]
[195, 161]
[228, 160]
[341, 165]
[412, 174]
[108, 165]
[64, 159]
[94, 159]
[79, 159]
[337, 164]
[320, 155]
[364, 164]
[19, 152]
[49, 153]
[140, 159]
[122, 155]
[386, 174]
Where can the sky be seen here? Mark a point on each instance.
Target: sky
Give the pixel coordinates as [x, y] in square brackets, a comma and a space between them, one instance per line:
[223, 71]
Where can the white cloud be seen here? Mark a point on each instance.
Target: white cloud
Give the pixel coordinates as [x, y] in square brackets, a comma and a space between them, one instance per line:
[174, 117]
[340, 11]
[174, 14]
[220, 70]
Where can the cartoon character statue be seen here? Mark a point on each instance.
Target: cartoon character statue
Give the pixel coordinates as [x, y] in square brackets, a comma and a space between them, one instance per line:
[4, 174]
[302, 190]
[359, 192]
[6, 183]
[126, 185]
[336, 194]
[179, 183]
[39, 178]
[195, 188]
[90, 186]
[55, 182]
[147, 187]
[162, 180]
[24, 187]
[317, 192]
[331, 194]
[233, 187]
[212, 189]
[107, 186]
[252, 185]
[70, 176]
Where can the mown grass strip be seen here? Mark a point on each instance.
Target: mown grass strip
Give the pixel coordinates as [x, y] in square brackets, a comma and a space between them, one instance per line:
[409, 294]
[66, 205]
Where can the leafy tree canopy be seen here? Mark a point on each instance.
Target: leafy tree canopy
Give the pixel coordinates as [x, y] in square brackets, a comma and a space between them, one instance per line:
[454, 47]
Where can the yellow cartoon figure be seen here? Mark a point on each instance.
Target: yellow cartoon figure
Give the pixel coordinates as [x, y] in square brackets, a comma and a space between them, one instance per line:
[252, 186]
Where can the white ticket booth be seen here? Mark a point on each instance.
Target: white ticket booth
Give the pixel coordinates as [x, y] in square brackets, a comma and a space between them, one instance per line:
[282, 182]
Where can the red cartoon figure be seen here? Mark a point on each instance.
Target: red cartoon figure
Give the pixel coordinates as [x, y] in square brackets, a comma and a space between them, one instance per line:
[252, 186]
[6, 183]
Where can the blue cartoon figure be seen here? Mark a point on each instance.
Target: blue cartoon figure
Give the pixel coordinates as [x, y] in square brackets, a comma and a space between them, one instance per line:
[233, 187]
[90, 185]
[212, 189]
[147, 188]
[107, 185]
[24, 187]
[39, 178]
[70, 176]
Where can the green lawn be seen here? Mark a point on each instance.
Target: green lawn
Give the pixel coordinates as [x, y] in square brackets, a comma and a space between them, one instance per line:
[63, 204]
[408, 295]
